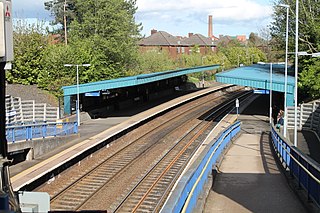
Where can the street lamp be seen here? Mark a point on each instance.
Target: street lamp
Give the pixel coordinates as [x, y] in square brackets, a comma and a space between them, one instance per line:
[270, 111]
[65, 22]
[203, 57]
[296, 77]
[78, 92]
[286, 72]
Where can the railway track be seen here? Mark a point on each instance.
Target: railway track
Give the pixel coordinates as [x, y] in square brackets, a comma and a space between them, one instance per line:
[152, 189]
[82, 190]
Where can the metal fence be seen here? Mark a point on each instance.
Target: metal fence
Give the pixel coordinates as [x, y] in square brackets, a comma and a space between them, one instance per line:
[33, 131]
[192, 185]
[304, 170]
[308, 116]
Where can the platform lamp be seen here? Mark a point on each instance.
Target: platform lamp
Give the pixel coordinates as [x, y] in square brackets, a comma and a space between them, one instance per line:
[296, 77]
[286, 71]
[78, 91]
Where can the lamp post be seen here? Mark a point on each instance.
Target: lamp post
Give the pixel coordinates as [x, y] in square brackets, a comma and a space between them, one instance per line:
[65, 22]
[78, 90]
[286, 72]
[203, 57]
[270, 111]
[296, 77]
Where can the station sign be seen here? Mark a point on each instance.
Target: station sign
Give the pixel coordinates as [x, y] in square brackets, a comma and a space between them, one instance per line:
[92, 94]
[6, 31]
[261, 91]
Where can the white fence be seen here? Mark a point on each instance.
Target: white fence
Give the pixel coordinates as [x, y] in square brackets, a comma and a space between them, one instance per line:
[308, 116]
[18, 111]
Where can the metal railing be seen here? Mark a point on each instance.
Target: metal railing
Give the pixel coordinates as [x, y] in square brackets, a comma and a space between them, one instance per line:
[186, 198]
[43, 130]
[305, 171]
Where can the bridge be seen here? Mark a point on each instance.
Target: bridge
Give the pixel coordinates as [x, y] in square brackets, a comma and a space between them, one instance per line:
[245, 157]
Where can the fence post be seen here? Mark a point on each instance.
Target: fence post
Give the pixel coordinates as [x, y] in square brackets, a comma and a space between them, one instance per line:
[13, 136]
[44, 130]
[75, 127]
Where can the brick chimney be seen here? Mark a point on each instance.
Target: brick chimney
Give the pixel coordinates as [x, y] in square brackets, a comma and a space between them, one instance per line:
[190, 34]
[153, 31]
[210, 30]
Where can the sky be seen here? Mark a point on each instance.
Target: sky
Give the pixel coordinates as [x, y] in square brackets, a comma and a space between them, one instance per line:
[179, 17]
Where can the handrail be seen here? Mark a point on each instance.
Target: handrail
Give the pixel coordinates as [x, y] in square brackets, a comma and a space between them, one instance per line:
[225, 134]
[302, 166]
[43, 130]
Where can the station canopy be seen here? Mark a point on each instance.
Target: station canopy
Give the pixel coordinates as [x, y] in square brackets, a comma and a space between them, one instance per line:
[258, 76]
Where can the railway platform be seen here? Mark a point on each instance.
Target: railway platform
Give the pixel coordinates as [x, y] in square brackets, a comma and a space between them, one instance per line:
[92, 133]
[249, 179]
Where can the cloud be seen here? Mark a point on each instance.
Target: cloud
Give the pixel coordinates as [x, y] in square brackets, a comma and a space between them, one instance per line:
[193, 14]
[30, 9]
[235, 10]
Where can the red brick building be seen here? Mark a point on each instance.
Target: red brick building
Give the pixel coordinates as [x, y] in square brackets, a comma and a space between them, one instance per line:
[177, 45]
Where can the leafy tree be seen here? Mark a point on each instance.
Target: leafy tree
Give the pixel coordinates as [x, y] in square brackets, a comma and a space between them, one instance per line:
[309, 39]
[154, 61]
[60, 9]
[109, 27]
[30, 42]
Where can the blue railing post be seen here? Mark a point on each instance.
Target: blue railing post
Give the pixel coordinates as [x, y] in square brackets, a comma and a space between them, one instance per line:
[13, 135]
[44, 130]
[75, 127]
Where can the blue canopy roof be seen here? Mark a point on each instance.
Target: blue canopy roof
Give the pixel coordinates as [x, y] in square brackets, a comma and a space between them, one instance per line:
[133, 80]
[258, 76]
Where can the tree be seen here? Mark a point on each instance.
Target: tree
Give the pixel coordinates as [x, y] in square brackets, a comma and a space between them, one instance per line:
[60, 9]
[30, 42]
[253, 39]
[109, 27]
[309, 38]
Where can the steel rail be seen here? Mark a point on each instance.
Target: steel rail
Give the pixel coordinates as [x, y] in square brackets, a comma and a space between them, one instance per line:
[178, 155]
[56, 197]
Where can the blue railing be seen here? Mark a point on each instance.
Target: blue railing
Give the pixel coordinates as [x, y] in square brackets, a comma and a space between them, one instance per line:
[33, 131]
[305, 171]
[186, 199]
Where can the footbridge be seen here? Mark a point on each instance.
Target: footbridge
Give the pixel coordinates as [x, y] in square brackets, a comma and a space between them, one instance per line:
[258, 76]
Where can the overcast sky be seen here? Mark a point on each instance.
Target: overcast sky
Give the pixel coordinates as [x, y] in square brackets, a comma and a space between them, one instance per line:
[179, 17]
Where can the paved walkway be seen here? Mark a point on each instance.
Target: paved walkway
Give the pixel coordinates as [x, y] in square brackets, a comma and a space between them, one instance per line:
[249, 179]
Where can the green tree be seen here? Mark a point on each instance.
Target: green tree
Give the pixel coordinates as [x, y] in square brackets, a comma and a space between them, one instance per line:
[154, 61]
[60, 9]
[309, 39]
[109, 26]
[30, 43]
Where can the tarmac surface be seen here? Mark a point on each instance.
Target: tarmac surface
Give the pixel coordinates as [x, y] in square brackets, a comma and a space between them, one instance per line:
[249, 179]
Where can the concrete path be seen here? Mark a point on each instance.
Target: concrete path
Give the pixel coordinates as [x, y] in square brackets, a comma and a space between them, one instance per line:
[249, 179]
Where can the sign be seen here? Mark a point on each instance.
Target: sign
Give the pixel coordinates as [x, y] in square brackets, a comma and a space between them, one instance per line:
[92, 94]
[237, 102]
[6, 31]
[262, 91]
[105, 92]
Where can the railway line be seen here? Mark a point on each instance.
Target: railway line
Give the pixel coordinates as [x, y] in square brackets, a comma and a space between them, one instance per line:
[137, 170]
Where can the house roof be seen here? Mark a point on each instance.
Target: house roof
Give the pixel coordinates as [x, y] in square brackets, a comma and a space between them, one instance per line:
[160, 38]
[198, 39]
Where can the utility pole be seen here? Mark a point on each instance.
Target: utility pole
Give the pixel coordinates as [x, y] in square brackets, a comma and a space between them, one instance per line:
[65, 22]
